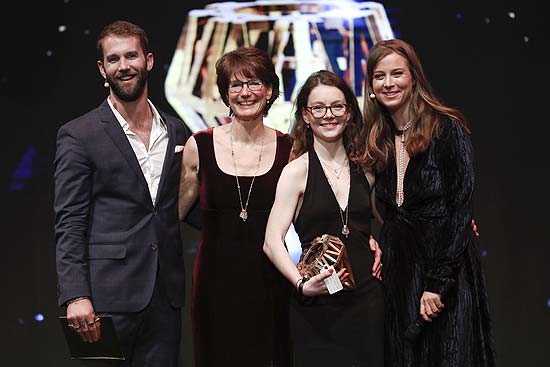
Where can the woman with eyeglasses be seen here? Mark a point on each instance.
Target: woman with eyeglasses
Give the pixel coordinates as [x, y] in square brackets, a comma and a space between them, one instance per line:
[239, 300]
[325, 191]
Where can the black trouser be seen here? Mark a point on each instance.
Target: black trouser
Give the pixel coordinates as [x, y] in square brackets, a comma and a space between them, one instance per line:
[149, 338]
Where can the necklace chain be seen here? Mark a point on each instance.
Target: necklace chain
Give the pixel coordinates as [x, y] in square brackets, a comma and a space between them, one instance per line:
[401, 168]
[337, 172]
[345, 229]
[244, 213]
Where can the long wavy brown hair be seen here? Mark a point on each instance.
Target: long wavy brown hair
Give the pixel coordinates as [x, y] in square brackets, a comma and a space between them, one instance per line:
[303, 137]
[425, 110]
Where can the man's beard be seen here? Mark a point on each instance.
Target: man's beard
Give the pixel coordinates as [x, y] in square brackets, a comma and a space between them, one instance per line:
[129, 93]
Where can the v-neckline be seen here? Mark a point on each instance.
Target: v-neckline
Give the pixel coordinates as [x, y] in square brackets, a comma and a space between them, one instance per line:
[329, 185]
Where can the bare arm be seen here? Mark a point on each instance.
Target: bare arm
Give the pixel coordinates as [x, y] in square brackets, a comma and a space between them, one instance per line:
[189, 181]
[290, 189]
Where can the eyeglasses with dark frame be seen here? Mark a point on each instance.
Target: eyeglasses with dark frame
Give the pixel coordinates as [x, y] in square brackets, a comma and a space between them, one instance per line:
[337, 110]
[254, 85]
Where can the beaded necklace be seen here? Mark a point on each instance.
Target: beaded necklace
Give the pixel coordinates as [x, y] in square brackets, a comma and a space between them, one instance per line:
[401, 165]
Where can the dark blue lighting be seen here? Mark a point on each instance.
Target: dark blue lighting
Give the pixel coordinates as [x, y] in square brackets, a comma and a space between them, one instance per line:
[23, 171]
[38, 317]
[458, 16]
[484, 253]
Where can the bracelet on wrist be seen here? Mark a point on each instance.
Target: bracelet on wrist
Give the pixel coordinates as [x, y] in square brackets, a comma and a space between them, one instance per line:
[301, 285]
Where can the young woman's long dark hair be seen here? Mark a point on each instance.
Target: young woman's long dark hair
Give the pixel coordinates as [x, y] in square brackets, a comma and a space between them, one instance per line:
[303, 137]
[425, 109]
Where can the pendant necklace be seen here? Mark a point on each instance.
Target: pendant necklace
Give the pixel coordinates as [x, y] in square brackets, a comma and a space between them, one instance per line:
[345, 229]
[337, 172]
[244, 214]
[401, 165]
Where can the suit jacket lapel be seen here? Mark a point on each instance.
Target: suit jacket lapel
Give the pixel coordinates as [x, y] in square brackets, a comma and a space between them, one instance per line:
[169, 157]
[114, 130]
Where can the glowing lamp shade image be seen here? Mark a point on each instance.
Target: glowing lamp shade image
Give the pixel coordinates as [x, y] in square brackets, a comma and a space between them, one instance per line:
[300, 37]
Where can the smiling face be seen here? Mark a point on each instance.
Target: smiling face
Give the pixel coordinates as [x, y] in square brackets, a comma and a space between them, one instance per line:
[331, 126]
[125, 67]
[250, 101]
[392, 83]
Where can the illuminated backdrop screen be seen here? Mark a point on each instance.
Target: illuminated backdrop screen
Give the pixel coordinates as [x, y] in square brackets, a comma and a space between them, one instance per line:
[300, 37]
[485, 57]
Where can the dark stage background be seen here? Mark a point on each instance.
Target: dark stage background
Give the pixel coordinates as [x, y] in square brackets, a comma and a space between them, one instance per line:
[483, 57]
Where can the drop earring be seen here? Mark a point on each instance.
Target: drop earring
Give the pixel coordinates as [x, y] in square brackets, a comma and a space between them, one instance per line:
[106, 84]
[372, 96]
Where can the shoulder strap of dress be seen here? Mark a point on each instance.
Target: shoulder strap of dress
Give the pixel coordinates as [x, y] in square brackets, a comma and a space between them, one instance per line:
[284, 147]
[365, 178]
[205, 147]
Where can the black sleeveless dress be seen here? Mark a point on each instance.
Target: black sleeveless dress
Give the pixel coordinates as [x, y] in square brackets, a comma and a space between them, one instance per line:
[347, 328]
[239, 299]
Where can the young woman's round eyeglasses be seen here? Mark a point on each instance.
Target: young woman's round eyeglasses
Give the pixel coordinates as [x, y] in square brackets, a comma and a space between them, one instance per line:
[253, 85]
[337, 110]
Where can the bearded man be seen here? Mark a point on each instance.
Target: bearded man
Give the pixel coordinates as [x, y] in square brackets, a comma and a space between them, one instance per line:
[118, 246]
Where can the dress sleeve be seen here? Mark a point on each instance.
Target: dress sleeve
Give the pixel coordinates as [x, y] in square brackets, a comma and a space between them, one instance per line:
[458, 174]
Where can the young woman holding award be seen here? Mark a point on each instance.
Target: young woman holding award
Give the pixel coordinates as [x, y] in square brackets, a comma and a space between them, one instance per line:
[326, 194]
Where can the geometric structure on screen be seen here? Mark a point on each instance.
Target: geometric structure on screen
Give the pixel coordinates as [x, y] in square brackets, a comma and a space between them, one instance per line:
[300, 37]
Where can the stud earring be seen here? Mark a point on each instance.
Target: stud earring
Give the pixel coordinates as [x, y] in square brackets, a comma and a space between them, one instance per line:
[307, 126]
[106, 84]
[372, 96]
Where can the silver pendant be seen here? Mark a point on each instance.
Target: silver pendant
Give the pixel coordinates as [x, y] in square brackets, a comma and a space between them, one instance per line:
[345, 230]
[243, 215]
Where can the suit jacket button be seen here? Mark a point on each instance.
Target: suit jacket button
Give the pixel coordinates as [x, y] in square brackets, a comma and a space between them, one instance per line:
[154, 247]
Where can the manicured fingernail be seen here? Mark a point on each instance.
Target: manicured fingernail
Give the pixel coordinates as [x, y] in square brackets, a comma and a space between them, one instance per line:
[330, 270]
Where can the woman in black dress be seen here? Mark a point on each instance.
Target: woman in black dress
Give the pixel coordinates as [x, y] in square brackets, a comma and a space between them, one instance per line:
[422, 154]
[324, 191]
[239, 305]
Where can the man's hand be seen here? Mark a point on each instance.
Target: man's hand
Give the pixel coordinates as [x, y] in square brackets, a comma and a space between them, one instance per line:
[81, 317]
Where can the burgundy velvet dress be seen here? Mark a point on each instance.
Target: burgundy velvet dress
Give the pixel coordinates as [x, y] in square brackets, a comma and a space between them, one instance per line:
[240, 301]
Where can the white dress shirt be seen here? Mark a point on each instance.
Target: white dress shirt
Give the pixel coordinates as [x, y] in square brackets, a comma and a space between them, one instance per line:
[150, 160]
